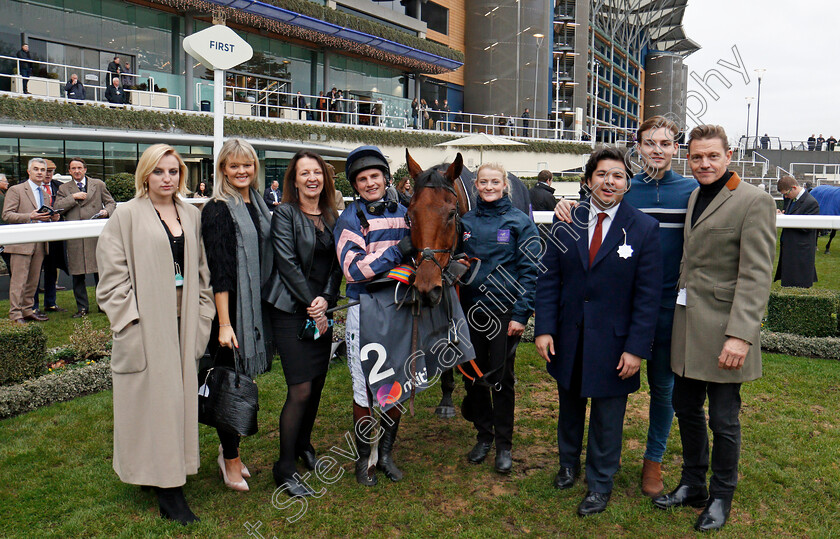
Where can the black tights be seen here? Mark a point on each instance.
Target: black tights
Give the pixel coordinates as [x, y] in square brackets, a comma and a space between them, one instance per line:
[297, 420]
[230, 444]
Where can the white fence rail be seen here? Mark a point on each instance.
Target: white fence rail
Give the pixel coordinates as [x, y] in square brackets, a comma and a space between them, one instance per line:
[70, 230]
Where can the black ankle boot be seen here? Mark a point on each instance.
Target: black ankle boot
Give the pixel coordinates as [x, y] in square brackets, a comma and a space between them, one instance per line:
[386, 446]
[364, 475]
[174, 506]
[308, 457]
[286, 480]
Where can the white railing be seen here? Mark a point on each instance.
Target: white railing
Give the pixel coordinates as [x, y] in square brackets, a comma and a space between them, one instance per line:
[70, 230]
[54, 87]
[776, 143]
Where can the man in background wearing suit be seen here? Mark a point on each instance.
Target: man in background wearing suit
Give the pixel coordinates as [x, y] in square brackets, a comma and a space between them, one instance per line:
[83, 198]
[54, 258]
[798, 245]
[730, 241]
[597, 305]
[21, 206]
[272, 195]
[115, 93]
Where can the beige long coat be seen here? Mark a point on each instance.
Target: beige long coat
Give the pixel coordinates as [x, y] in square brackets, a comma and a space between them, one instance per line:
[19, 203]
[727, 270]
[154, 361]
[81, 253]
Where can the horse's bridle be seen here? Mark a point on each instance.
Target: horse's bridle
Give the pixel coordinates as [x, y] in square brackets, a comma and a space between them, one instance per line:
[427, 253]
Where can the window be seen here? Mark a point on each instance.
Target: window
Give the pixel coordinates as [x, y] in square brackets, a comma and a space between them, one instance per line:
[436, 17]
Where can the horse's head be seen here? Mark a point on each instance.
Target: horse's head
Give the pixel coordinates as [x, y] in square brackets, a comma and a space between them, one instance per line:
[434, 213]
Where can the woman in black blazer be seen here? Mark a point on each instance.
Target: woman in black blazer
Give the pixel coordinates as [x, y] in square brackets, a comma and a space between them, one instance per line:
[303, 285]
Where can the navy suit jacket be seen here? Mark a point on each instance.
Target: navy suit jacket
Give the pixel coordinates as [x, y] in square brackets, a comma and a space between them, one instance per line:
[616, 301]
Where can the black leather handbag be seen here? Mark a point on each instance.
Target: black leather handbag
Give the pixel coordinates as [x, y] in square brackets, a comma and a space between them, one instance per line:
[228, 400]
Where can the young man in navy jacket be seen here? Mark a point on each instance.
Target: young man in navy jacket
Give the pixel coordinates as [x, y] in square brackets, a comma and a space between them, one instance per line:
[597, 305]
[662, 194]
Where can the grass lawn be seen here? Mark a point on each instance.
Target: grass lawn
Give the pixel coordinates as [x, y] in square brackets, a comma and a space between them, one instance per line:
[56, 476]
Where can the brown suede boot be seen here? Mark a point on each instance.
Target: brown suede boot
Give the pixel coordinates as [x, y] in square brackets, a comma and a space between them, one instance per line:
[652, 479]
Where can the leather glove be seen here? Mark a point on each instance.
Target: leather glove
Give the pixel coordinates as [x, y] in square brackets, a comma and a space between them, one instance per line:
[405, 246]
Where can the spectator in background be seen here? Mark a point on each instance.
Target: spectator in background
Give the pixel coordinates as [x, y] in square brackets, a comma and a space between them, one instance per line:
[339, 108]
[415, 112]
[4, 186]
[526, 121]
[542, 194]
[797, 245]
[126, 76]
[74, 89]
[273, 195]
[830, 143]
[54, 259]
[435, 115]
[81, 199]
[820, 142]
[114, 68]
[24, 66]
[377, 112]
[424, 114]
[765, 142]
[115, 94]
[405, 190]
[21, 206]
[301, 106]
[321, 105]
[812, 143]
[202, 191]
[445, 110]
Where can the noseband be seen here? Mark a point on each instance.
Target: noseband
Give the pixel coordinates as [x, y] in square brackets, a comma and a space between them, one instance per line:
[428, 254]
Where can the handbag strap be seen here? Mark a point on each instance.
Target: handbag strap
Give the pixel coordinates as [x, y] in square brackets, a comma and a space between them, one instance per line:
[237, 357]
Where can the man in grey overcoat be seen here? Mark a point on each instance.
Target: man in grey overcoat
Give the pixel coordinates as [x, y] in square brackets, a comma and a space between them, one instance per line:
[79, 199]
[727, 264]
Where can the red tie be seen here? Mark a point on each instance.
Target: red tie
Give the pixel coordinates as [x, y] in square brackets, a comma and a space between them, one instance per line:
[47, 189]
[595, 244]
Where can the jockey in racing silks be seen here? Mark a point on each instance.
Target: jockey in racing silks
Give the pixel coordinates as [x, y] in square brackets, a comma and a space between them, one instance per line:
[372, 237]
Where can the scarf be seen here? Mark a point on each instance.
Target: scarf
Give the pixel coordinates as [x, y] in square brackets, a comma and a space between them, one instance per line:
[250, 275]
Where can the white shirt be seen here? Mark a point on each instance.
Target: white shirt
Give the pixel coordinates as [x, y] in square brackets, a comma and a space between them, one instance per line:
[38, 192]
[605, 226]
[801, 192]
[83, 181]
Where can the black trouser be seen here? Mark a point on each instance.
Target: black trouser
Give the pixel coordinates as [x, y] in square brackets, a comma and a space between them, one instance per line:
[80, 291]
[724, 406]
[603, 448]
[494, 406]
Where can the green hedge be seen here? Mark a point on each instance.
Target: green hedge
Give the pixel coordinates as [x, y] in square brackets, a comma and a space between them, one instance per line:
[62, 385]
[121, 186]
[22, 109]
[797, 345]
[810, 312]
[23, 351]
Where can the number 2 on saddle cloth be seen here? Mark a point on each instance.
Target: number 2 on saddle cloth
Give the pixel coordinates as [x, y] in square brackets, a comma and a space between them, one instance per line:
[398, 361]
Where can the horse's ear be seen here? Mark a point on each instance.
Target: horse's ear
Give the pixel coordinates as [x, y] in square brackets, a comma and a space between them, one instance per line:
[454, 170]
[414, 169]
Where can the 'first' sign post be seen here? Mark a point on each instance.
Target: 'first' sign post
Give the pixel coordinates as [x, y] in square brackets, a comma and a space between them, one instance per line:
[218, 48]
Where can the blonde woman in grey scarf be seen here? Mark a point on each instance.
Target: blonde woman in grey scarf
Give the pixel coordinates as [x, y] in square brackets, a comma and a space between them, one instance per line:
[235, 226]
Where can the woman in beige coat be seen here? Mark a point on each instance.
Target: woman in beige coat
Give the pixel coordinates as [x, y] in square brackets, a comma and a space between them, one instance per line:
[155, 288]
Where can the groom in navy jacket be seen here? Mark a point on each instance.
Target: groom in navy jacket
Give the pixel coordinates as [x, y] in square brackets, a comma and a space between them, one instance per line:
[596, 309]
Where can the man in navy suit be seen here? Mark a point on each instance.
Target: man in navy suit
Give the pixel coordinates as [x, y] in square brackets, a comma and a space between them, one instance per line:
[596, 310]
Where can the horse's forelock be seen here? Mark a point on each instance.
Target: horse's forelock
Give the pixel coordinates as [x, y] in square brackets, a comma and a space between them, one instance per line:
[434, 178]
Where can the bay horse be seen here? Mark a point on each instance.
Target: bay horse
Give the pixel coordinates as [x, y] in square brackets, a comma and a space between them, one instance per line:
[434, 214]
